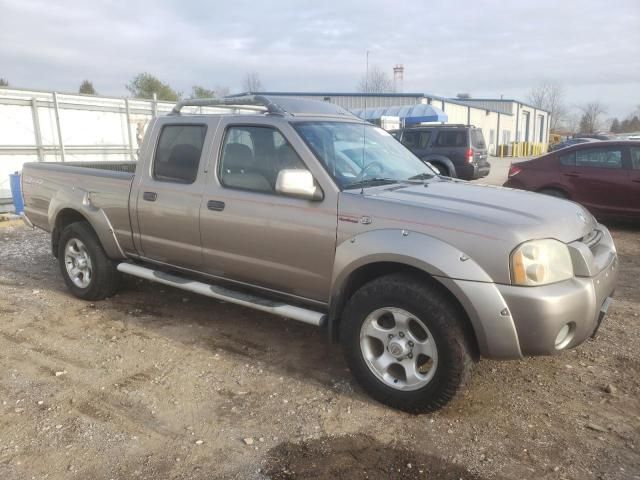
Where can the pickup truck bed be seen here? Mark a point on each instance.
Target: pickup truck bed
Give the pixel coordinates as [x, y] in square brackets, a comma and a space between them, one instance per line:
[102, 187]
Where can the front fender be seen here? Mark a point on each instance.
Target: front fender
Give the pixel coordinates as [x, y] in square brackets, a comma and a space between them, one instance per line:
[454, 269]
[79, 200]
[411, 248]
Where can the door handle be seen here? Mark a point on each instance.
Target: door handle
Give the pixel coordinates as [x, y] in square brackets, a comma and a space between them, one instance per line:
[150, 196]
[215, 205]
[571, 175]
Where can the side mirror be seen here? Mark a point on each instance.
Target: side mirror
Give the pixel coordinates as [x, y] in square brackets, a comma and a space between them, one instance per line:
[298, 183]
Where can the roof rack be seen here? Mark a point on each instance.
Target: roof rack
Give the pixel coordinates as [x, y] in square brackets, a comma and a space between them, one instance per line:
[258, 103]
[444, 125]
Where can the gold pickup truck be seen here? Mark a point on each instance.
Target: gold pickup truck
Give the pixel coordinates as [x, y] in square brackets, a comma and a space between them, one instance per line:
[299, 209]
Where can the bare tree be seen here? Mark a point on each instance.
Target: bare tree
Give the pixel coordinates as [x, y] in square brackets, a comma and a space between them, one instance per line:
[376, 82]
[590, 120]
[4, 82]
[221, 91]
[549, 96]
[252, 83]
[571, 122]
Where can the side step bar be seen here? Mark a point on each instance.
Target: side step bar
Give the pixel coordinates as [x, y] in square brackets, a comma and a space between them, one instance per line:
[214, 291]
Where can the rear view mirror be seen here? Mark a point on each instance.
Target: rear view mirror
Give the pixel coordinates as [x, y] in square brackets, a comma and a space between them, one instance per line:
[298, 183]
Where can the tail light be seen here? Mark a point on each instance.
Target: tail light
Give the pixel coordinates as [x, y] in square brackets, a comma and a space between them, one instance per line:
[513, 170]
[469, 155]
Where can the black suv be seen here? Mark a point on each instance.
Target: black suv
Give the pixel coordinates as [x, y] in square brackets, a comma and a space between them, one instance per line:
[454, 150]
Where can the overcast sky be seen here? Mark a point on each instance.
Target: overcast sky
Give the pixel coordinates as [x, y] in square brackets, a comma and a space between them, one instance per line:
[485, 48]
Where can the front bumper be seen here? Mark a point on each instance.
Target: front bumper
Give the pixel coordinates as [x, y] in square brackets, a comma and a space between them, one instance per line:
[512, 321]
[539, 313]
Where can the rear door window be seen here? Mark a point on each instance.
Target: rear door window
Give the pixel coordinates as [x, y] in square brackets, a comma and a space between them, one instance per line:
[178, 153]
[425, 137]
[452, 138]
[568, 159]
[635, 158]
[599, 158]
[477, 138]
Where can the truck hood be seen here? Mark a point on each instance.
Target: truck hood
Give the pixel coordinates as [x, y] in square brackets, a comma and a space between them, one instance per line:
[483, 209]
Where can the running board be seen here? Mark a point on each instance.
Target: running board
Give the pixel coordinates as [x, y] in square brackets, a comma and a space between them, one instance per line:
[214, 291]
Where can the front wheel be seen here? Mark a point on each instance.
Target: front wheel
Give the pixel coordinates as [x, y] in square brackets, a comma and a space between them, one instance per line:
[85, 267]
[405, 343]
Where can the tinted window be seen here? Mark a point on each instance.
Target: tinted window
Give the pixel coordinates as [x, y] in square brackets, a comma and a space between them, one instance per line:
[635, 158]
[568, 159]
[411, 139]
[599, 158]
[416, 139]
[252, 157]
[452, 138]
[425, 137]
[178, 153]
[478, 139]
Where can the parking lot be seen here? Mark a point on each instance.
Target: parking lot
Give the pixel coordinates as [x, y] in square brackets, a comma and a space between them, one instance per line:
[158, 383]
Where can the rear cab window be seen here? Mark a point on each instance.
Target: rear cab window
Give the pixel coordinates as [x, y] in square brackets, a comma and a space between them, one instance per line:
[178, 153]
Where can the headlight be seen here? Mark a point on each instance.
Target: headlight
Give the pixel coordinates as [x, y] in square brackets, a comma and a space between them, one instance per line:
[540, 262]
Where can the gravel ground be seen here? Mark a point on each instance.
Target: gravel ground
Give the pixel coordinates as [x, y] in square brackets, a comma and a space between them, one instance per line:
[156, 383]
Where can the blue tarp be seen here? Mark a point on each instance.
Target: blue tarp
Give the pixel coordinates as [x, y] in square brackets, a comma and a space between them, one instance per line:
[408, 114]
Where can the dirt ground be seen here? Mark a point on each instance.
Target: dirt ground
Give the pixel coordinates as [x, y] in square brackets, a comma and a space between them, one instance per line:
[155, 383]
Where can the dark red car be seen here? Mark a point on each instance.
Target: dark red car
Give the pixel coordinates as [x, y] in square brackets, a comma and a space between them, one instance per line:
[602, 176]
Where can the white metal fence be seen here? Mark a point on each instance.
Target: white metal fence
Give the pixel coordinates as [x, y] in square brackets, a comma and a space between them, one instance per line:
[49, 126]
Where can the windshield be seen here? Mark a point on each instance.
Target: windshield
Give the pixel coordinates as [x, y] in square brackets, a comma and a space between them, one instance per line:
[359, 155]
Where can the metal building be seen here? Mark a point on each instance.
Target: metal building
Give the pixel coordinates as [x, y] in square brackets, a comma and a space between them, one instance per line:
[510, 127]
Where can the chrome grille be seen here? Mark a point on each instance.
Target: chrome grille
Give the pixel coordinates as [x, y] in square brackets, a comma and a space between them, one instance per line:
[592, 239]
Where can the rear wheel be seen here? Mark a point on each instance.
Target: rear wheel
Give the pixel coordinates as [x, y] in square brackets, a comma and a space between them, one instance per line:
[85, 267]
[553, 192]
[442, 169]
[405, 343]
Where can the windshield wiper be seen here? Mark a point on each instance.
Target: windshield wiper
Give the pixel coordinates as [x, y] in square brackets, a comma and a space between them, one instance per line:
[422, 176]
[372, 182]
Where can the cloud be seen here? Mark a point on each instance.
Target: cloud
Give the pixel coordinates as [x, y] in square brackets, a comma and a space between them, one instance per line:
[485, 48]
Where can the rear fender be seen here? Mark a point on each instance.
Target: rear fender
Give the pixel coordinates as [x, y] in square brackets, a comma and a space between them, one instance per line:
[80, 201]
[443, 161]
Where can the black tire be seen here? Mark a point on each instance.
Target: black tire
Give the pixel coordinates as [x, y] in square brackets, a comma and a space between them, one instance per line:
[553, 192]
[443, 169]
[105, 278]
[440, 315]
